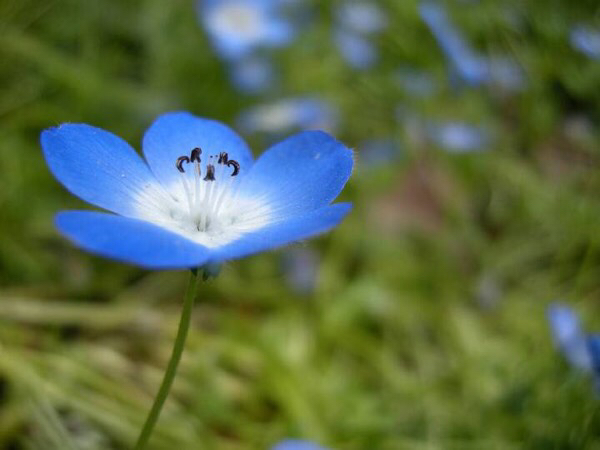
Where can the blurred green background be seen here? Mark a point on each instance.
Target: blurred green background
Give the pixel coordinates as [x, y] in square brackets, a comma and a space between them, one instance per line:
[425, 327]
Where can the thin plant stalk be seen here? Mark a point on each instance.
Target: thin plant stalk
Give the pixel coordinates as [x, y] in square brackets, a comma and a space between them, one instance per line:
[165, 387]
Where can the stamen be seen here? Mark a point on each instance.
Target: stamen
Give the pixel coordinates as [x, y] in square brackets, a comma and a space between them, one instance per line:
[205, 200]
[236, 166]
[187, 192]
[180, 161]
[195, 155]
[210, 173]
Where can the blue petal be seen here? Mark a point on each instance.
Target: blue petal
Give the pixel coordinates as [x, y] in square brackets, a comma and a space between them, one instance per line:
[569, 337]
[297, 444]
[361, 17]
[586, 40]
[471, 67]
[593, 344]
[175, 134]
[304, 172]
[356, 50]
[252, 75]
[130, 240]
[283, 232]
[286, 114]
[279, 33]
[459, 137]
[96, 165]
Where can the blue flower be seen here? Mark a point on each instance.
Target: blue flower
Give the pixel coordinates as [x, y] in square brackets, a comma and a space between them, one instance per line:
[356, 49]
[458, 137]
[361, 17]
[199, 198]
[288, 114]
[297, 444]
[586, 40]
[355, 21]
[570, 338]
[252, 74]
[471, 67]
[238, 27]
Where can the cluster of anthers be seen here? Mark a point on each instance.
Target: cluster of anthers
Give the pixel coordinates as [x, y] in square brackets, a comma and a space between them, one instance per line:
[205, 198]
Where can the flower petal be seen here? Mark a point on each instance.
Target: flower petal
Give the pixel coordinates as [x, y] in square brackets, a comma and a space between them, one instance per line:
[130, 240]
[97, 166]
[568, 336]
[175, 134]
[297, 444]
[593, 344]
[283, 232]
[304, 172]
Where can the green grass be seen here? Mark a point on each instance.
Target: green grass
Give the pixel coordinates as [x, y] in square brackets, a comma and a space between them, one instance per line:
[427, 327]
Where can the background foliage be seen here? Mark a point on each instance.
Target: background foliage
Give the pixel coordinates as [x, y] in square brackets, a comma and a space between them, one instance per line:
[426, 325]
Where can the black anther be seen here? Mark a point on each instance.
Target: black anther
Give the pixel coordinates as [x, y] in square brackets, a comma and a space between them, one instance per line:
[210, 173]
[223, 158]
[195, 155]
[236, 166]
[180, 161]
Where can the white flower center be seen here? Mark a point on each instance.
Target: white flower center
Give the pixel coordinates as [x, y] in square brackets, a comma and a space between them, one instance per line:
[205, 205]
[237, 19]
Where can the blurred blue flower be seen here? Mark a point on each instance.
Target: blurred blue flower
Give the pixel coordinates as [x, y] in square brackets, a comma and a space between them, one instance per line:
[378, 152]
[361, 17]
[586, 40]
[252, 75]
[357, 50]
[593, 343]
[238, 27]
[570, 338]
[289, 114]
[458, 137]
[472, 68]
[301, 266]
[355, 21]
[297, 444]
[198, 199]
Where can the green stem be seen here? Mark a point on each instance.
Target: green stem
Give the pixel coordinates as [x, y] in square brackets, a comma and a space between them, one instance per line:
[165, 387]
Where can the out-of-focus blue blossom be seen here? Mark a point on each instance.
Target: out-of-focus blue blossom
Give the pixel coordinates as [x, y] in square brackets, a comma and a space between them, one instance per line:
[356, 49]
[301, 267]
[252, 75]
[458, 137]
[239, 27]
[586, 40]
[416, 82]
[361, 17]
[580, 349]
[593, 342]
[289, 114]
[297, 444]
[471, 67]
[198, 198]
[569, 337]
[357, 20]
[378, 152]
